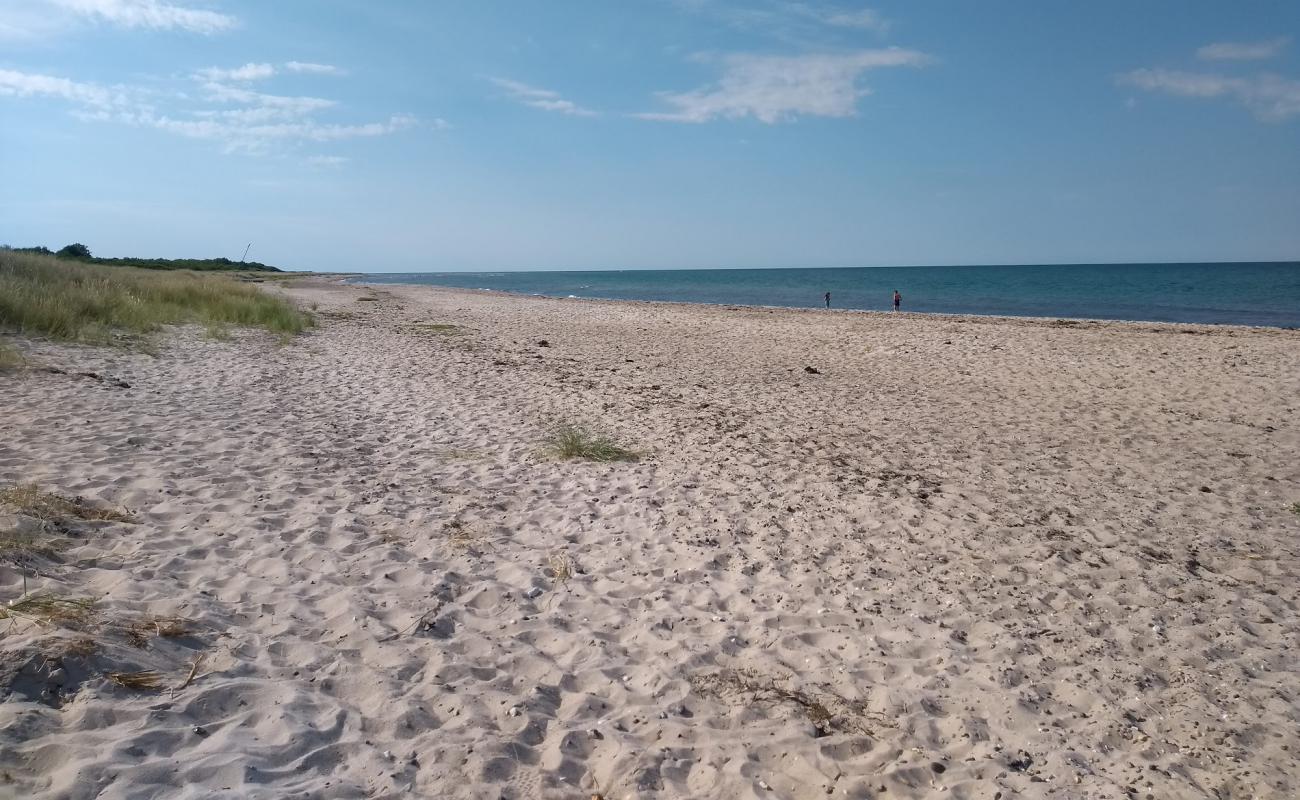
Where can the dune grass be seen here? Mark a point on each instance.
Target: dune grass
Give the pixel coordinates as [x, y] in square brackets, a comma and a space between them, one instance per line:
[30, 499]
[145, 681]
[572, 440]
[70, 301]
[50, 609]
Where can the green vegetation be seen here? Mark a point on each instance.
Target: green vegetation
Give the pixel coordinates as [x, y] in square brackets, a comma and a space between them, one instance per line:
[80, 252]
[569, 440]
[1295, 509]
[70, 300]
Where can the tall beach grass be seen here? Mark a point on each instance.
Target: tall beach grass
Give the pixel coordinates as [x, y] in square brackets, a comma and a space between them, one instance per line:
[70, 301]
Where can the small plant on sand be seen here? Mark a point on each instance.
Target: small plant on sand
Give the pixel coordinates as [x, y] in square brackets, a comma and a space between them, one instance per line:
[139, 633]
[50, 609]
[459, 534]
[561, 567]
[571, 440]
[18, 548]
[30, 499]
[828, 711]
[1295, 509]
[10, 359]
[146, 681]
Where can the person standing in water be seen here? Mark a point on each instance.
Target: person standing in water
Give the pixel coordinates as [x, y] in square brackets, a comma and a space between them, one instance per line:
[828, 299]
[898, 299]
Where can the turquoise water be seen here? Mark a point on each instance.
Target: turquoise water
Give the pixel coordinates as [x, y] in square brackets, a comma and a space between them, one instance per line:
[1239, 294]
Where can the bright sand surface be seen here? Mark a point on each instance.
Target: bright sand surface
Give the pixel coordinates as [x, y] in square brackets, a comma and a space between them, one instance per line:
[967, 557]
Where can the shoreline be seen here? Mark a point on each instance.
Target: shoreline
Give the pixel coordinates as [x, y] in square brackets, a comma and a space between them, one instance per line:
[885, 313]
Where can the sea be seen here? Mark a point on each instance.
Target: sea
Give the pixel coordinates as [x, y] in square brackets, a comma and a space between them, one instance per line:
[1255, 293]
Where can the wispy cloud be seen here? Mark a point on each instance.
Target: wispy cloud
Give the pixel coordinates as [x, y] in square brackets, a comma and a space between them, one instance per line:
[1243, 51]
[153, 14]
[248, 72]
[269, 105]
[259, 72]
[312, 69]
[26, 84]
[235, 117]
[789, 20]
[780, 88]
[238, 135]
[1270, 98]
[543, 99]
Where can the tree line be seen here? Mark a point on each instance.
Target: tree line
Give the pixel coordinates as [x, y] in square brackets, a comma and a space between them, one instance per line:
[80, 252]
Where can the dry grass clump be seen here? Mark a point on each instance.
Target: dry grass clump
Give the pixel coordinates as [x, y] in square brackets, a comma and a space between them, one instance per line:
[50, 609]
[561, 567]
[145, 681]
[18, 547]
[30, 499]
[10, 359]
[70, 301]
[1295, 509]
[572, 440]
[827, 711]
[139, 633]
[460, 534]
[81, 647]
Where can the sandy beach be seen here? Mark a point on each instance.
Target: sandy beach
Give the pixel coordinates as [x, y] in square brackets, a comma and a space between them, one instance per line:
[861, 555]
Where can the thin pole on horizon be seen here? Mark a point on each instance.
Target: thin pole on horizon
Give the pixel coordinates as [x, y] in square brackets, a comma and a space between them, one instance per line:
[244, 257]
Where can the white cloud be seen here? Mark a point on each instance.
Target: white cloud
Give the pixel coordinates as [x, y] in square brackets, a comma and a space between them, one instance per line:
[1271, 98]
[312, 69]
[25, 84]
[238, 135]
[778, 88]
[237, 118]
[543, 99]
[285, 105]
[248, 72]
[153, 14]
[260, 72]
[1243, 51]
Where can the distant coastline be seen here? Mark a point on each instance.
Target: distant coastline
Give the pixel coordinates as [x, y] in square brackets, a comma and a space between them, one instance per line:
[1257, 294]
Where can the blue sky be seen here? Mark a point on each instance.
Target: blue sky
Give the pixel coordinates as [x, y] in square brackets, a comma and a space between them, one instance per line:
[411, 136]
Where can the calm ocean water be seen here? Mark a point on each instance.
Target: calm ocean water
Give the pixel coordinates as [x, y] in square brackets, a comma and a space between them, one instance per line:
[1239, 294]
